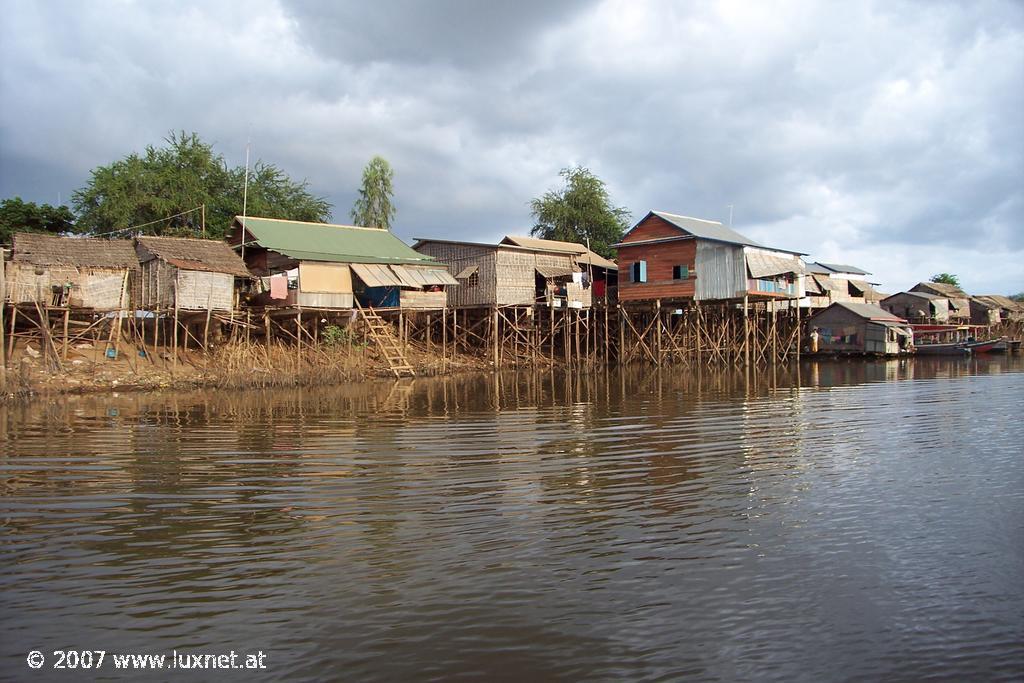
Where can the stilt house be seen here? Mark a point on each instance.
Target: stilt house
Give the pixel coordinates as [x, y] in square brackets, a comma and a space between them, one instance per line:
[188, 274]
[72, 272]
[523, 271]
[673, 258]
[959, 301]
[918, 307]
[846, 327]
[993, 309]
[323, 266]
[827, 283]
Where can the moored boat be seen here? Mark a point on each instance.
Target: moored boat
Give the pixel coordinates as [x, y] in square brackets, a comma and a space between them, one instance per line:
[988, 346]
[950, 349]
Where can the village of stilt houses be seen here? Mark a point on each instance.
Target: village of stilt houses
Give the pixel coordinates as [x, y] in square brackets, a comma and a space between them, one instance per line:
[682, 290]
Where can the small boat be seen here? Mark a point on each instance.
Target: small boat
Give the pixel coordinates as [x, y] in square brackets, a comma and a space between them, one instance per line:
[951, 349]
[988, 346]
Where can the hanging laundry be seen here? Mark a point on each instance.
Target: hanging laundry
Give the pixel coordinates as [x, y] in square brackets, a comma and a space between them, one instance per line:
[279, 287]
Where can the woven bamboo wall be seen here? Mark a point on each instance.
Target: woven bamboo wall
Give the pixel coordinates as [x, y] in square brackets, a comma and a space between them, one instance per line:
[200, 290]
[458, 257]
[157, 289]
[95, 288]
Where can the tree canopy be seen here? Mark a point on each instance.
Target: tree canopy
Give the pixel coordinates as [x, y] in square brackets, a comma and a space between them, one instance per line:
[160, 188]
[946, 279]
[581, 210]
[21, 216]
[374, 208]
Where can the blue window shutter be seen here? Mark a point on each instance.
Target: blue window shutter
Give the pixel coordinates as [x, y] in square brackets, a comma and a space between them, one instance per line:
[643, 271]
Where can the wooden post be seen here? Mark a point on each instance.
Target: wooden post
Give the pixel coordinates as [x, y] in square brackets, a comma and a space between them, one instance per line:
[10, 342]
[266, 326]
[746, 332]
[64, 350]
[175, 347]
[657, 329]
[622, 334]
[494, 334]
[298, 337]
[799, 337]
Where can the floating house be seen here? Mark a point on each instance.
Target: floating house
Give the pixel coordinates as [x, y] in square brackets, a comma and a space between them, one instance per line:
[324, 266]
[188, 274]
[523, 271]
[856, 328]
[918, 307]
[71, 272]
[959, 301]
[671, 257]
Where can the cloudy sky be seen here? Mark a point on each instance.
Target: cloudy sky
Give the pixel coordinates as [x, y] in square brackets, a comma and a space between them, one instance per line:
[888, 135]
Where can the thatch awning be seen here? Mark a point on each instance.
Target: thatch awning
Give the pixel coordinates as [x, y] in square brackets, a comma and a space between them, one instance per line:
[552, 272]
[423, 277]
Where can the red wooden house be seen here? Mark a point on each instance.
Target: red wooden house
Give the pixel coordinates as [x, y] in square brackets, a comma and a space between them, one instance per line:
[673, 258]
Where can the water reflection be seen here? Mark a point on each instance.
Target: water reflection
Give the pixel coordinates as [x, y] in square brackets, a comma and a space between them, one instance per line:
[773, 523]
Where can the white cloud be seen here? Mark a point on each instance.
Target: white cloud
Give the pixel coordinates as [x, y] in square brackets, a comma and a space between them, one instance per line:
[882, 131]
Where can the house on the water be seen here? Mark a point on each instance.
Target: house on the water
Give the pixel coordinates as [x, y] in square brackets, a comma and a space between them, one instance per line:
[188, 274]
[71, 272]
[959, 301]
[827, 283]
[324, 266]
[993, 309]
[918, 307]
[670, 257]
[523, 271]
[857, 328]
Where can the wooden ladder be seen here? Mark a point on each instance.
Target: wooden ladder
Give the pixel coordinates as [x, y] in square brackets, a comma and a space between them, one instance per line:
[385, 339]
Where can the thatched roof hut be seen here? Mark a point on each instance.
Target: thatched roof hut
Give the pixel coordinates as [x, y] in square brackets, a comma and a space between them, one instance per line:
[76, 272]
[189, 274]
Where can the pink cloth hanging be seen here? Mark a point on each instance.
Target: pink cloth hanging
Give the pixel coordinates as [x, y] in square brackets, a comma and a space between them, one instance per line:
[279, 287]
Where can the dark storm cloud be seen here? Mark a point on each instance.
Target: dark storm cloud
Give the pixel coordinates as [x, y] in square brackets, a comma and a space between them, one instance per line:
[887, 133]
[465, 33]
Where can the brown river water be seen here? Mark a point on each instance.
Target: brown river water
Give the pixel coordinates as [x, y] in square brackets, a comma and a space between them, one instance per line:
[836, 521]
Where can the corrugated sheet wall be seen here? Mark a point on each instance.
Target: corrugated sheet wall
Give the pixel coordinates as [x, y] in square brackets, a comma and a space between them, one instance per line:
[721, 271]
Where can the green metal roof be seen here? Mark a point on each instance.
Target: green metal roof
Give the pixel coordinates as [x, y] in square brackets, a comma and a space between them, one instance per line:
[324, 242]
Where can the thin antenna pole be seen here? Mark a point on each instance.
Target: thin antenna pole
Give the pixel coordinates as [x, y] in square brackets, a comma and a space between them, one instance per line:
[730, 215]
[245, 193]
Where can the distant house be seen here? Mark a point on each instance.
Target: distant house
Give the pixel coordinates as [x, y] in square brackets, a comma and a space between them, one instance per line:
[523, 271]
[846, 327]
[324, 266]
[959, 301]
[73, 272]
[993, 309]
[188, 274]
[671, 257]
[827, 283]
[918, 307]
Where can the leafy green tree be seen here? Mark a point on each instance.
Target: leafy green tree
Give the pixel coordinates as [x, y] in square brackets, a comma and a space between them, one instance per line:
[581, 210]
[946, 279]
[1018, 297]
[21, 216]
[374, 208]
[160, 189]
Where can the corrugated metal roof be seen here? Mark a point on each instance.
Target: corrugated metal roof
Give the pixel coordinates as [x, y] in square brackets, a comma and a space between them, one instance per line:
[765, 265]
[709, 230]
[378, 275]
[187, 253]
[325, 242]
[423, 277]
[840, 268]
[869, 311]
[817, 269]
[78, 252]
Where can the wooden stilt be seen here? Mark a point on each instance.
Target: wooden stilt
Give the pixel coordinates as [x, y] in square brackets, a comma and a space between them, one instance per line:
[10, 343]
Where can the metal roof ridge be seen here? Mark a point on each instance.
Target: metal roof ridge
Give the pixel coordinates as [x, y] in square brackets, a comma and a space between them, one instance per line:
[314, 224]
